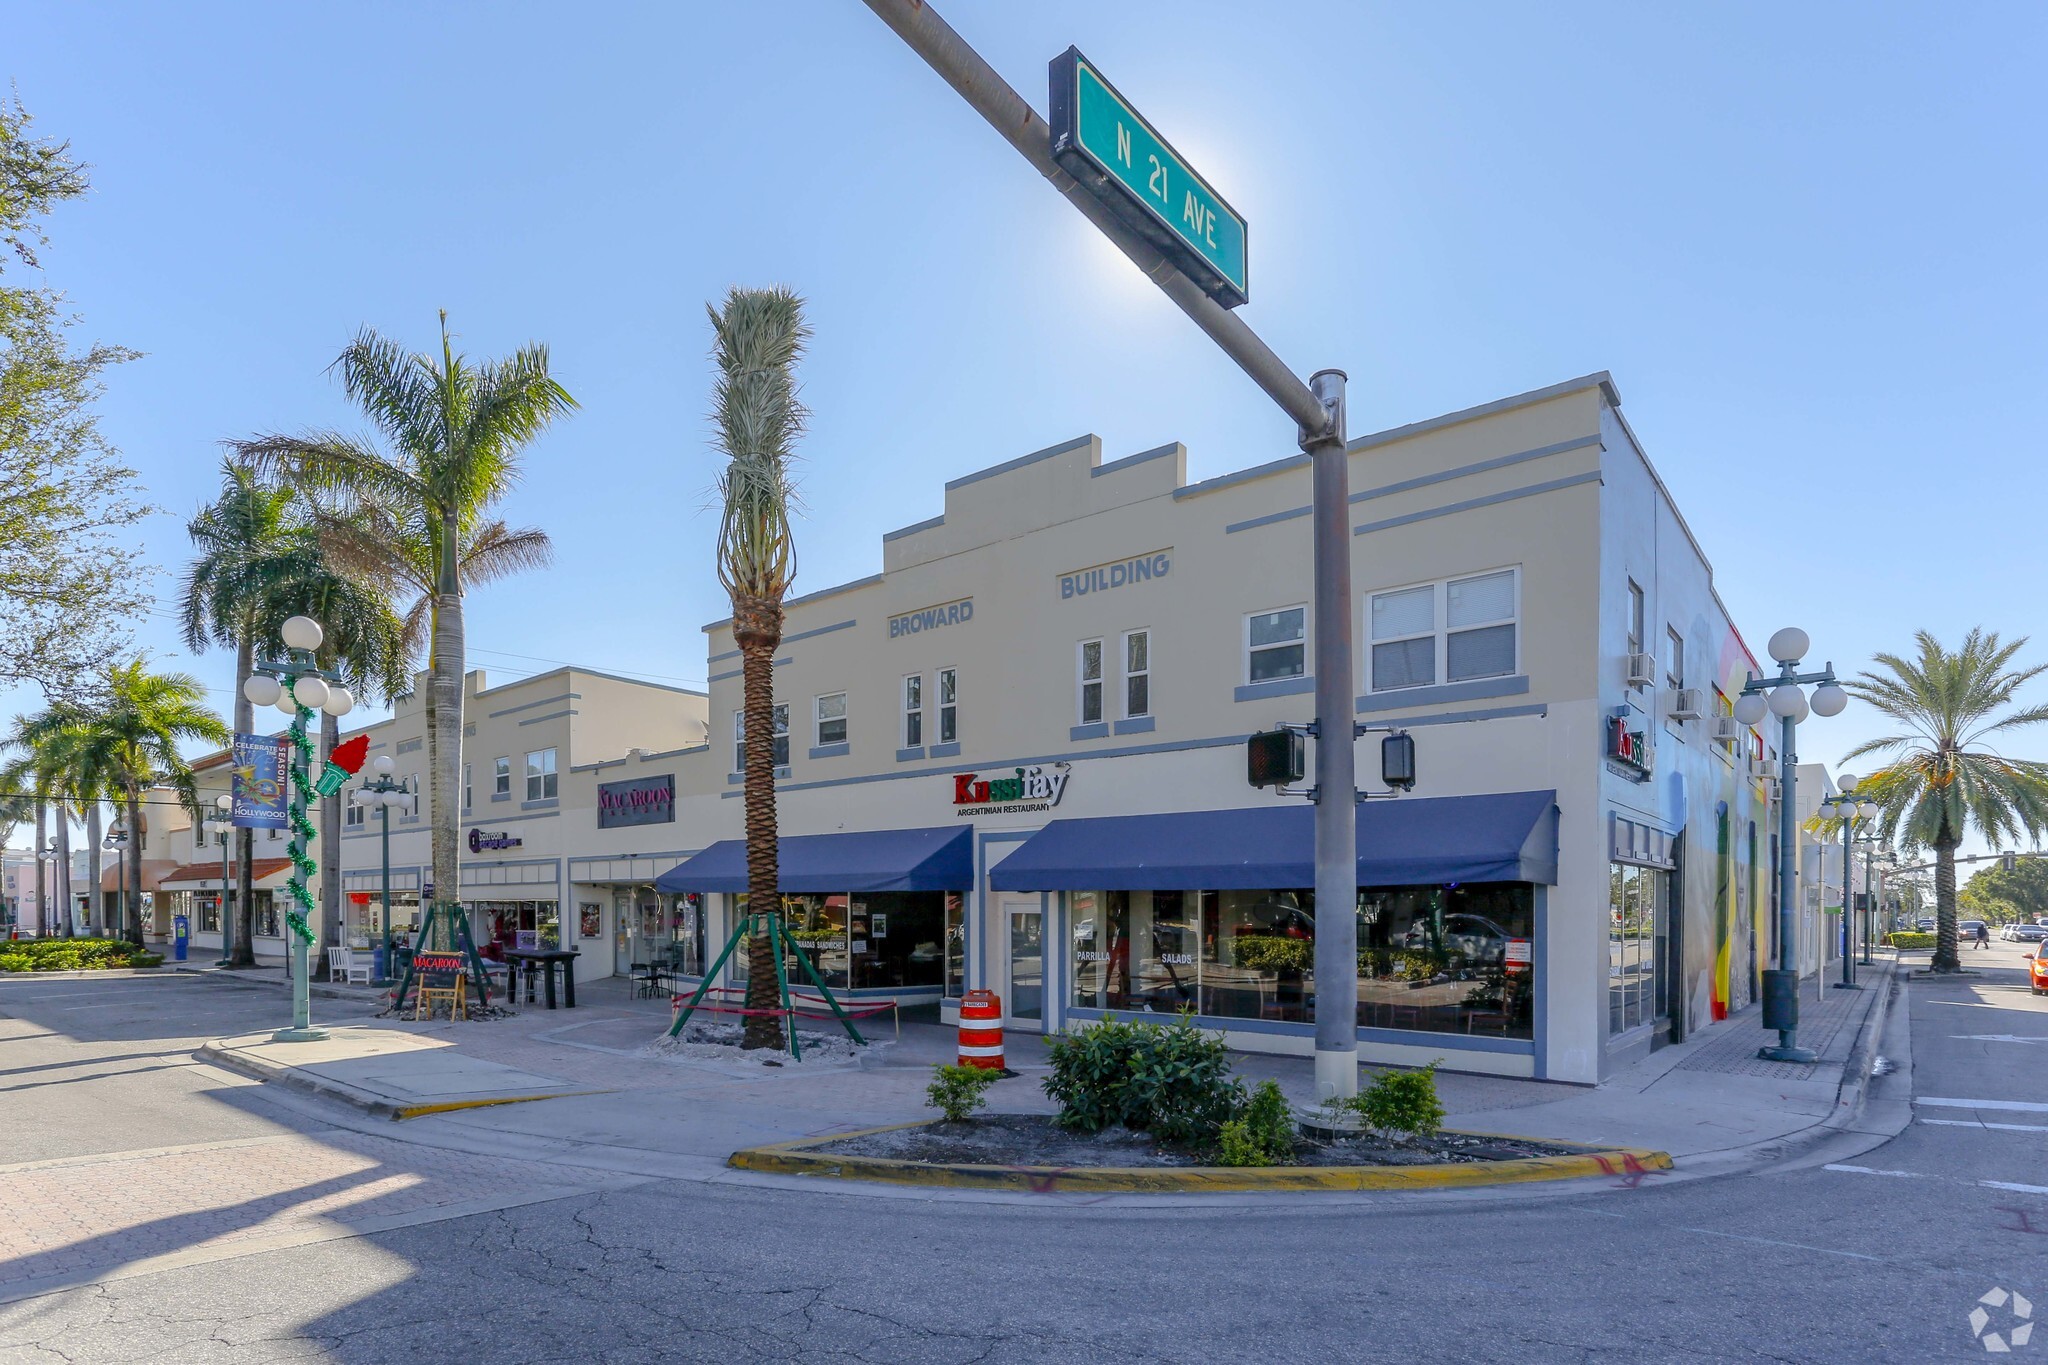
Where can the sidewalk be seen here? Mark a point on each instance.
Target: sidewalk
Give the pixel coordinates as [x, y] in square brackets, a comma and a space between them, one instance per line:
[1707, 1102]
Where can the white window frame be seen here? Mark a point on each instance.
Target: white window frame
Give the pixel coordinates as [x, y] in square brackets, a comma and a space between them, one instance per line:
[819, 719]
[1441, 629]
[1245, 641]
[1674, 663]
[1082, 682]
[543, 773]
[468, 791]
[912, 696]
[1124, 655]
[501, 775]
[949, 711]
[1638, 617]
[352, 817]
[778, 728]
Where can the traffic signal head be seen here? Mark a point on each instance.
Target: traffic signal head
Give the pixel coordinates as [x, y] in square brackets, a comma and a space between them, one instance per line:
[1397, 761]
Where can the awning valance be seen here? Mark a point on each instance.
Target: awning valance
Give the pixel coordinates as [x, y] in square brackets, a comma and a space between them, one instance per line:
[940, 859]
[1509, 837]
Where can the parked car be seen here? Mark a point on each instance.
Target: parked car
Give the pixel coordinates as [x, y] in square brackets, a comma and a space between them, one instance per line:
[2037, 975]
[1925, 926]
[1478, 939]
[2026, 933]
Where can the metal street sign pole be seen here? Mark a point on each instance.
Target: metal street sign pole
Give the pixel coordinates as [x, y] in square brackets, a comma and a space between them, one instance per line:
[1318, 414]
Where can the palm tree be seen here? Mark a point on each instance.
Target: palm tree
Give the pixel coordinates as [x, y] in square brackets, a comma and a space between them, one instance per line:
[17, 810]
[1941, 777]
[455, 431]
[128, 742]
[759, 336]
[242, 555]
[36, 769]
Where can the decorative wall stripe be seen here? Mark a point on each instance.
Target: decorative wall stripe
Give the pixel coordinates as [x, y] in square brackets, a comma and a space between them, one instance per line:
[1512, 494]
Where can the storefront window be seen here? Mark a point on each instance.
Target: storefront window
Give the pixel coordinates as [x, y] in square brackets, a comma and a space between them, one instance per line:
[878, 940]
[266, 914]
[498, 924]
[207, 905]
[1637, 900]
[1444, 959]
[955, 947]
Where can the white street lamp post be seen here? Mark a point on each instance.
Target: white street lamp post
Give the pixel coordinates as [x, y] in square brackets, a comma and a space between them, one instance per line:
[1784, 696]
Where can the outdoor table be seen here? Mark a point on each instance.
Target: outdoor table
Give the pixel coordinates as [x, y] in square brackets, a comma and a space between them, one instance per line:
[546, 960]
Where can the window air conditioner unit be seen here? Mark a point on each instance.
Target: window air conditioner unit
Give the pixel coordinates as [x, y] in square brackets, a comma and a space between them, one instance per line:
[1687, 703]
[1770, 786]
[1642, 670]
[1728, 730]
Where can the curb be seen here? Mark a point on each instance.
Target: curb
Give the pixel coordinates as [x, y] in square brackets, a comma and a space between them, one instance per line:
[1856, 1067]
[795, 1158]
[377, 1106]
[228, 977]
[85, 973]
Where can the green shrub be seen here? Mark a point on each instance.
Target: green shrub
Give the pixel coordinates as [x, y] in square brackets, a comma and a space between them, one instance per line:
[957, 1091]
[1908, 940]
[69, 954]
[1269, 1123]
[1238, 1147]
[1170, 1080]
[142, 959]
[15, 962]
[1402, 1103]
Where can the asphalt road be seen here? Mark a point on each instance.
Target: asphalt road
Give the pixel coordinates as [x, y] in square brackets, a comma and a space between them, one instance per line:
[1877, 1257]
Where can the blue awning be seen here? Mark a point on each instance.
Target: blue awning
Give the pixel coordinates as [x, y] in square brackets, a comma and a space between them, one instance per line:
[939, 859]
[1509, 837]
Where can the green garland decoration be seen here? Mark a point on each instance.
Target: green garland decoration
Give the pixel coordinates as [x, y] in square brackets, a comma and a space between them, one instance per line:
[303, 866]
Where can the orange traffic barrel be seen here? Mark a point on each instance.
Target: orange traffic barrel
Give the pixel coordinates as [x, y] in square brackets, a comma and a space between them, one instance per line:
[981, 1030]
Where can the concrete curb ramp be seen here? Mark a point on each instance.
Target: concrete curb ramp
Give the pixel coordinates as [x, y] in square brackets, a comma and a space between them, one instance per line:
[225, 1054]
[797, 1158]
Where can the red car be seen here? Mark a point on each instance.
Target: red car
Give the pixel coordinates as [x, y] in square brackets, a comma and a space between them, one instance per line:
[2037, 971]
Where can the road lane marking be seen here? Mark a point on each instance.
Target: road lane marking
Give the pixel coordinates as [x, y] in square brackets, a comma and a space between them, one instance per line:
[1871, 1170]
[2020, 1106]
[1999, 1127]
[1996, 1038]
[1908, 1175]
[2009, 1185]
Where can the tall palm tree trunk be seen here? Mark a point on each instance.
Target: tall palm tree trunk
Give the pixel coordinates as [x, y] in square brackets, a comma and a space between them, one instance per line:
[95, 871]
[132, 921]
[757, 625]
[445, 682]
[67, 912]
[330, 836]
[244, 946]
[42, 869]
[1945, 956]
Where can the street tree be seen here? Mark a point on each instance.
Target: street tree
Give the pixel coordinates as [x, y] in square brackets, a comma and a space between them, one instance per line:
[759, 336]
[1942, 778]
[2022, 891]
[128, 741]
[454, 432]
[243, 551]
[69, 578]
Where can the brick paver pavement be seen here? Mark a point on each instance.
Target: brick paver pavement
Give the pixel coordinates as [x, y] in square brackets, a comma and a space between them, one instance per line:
[86, 1215]
[1827, 1025]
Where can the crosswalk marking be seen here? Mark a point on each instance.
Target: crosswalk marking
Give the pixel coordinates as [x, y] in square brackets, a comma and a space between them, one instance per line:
[2000, 1127]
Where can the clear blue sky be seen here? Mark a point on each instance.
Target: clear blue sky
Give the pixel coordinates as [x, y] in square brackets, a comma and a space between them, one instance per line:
[1806, 240]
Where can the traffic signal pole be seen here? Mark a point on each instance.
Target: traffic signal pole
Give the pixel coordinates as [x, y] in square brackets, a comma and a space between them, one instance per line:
[1317, 410]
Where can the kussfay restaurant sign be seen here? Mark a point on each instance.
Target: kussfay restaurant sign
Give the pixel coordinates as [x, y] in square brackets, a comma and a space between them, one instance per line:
[1038, 787]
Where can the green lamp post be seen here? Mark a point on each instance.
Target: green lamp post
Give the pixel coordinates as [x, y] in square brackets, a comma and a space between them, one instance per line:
[299, 687]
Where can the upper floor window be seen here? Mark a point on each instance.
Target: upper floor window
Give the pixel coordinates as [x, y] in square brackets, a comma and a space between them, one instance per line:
[1276, 644]
[778, 731]
[831, 716]
[1635, 617]
[1137, 673]
[1088, 674]
[501, 777]
[467, 792]
[353, 817]
[1675, 666]
[1457, 630]
[913, 711]
[949, 709]
[540, 775]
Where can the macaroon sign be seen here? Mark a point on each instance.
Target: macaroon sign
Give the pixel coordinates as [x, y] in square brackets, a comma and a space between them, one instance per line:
[1121, 159]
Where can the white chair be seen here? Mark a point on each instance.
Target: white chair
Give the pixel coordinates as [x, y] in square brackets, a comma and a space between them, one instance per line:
[343, 965]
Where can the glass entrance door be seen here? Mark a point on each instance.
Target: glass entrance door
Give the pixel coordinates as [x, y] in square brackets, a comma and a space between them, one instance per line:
[1025, 999]
[622, 933]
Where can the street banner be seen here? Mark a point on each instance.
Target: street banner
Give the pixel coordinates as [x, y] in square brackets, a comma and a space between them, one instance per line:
[262, 768]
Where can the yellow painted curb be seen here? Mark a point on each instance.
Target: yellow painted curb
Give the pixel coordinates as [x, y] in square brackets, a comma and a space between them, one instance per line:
[796, 1158]
[413, 1111]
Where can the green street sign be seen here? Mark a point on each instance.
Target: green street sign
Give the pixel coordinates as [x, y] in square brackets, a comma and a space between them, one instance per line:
[1120, 158]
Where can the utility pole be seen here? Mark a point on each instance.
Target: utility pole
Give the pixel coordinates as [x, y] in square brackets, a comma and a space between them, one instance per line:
[1317, 410]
